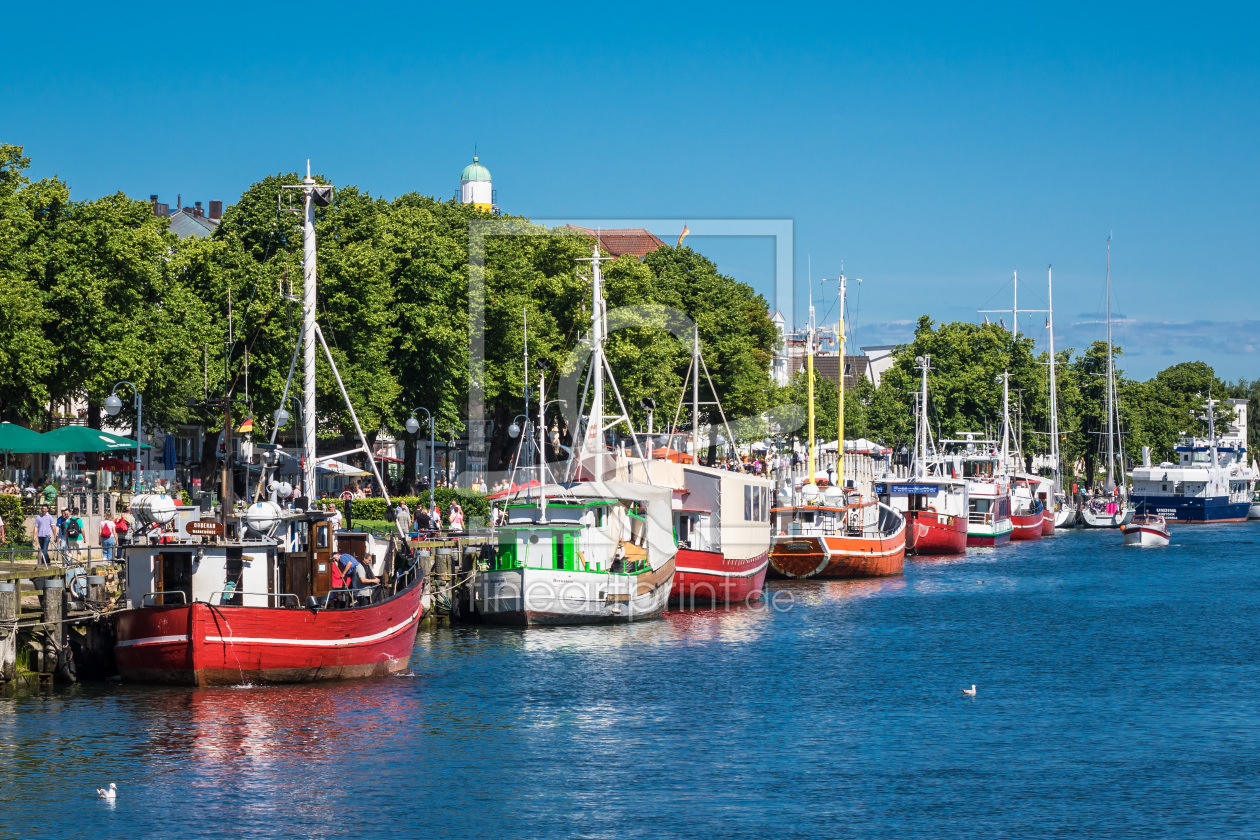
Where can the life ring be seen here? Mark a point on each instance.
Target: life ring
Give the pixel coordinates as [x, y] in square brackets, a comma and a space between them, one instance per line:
[346, 495]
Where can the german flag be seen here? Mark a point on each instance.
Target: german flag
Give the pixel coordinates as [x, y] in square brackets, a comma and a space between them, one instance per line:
[686, 230]
[247, 426]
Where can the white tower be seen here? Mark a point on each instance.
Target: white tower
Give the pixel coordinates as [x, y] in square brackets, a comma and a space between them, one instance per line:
[474, 187]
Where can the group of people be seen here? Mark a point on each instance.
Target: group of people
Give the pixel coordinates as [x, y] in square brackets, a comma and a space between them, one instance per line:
[68, 534]
[430, 519]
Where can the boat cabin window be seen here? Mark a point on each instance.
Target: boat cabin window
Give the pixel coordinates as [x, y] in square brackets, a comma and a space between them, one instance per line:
[978, 469]
[981, 505]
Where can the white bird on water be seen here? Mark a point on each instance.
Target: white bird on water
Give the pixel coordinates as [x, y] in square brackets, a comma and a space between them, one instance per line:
[110, 793]
[970, 692]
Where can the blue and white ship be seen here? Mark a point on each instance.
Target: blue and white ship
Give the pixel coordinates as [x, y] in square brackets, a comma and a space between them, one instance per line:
[1211, 481]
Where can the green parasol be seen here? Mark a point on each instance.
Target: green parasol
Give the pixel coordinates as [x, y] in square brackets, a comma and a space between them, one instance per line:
[15, 439]
[83, 439]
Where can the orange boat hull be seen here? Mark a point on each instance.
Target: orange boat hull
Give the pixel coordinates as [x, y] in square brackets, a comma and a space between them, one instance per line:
[840, 557]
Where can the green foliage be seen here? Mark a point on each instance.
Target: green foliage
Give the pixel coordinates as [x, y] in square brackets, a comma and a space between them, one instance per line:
[11, 513]
[474, 504]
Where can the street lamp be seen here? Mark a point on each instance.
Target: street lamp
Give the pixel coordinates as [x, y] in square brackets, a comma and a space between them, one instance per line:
[113, 405]
[413, 425]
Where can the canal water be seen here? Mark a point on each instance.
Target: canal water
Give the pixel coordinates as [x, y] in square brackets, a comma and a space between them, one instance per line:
[1118, 695]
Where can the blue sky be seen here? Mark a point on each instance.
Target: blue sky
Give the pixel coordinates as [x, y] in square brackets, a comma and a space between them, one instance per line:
[933, 149]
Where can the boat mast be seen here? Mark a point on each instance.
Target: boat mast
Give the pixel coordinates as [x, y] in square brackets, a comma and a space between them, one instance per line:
[1015, 307]
[1054, 394]
[695, 390]
[921, 434]
[542, 453]
[594, 439]
[809, 378]
[840, 400]
[1006, 419]
[1111, 484]
[308, 336]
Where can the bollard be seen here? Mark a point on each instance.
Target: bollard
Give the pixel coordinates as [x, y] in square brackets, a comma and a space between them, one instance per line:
[8, 630]
[51, 601]
[96, 589]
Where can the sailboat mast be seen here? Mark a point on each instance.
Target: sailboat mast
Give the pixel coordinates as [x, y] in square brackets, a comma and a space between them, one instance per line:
[922, 431]
[1015, 307]
[809, 378]
[595, 425]
[1006, 419]
[308, 337]
[1054, 391]
[1111, 484]
[542, 453]
[840, 400]
[695, 389]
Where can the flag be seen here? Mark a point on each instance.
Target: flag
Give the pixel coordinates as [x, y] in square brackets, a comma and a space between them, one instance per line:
[247, 425]
[682, 236]
[1002, 321]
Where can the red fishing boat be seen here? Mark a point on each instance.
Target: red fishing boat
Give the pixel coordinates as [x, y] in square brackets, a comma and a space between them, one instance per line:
[210, 644]
[934, 501]
[252, 595]
[1028, 514]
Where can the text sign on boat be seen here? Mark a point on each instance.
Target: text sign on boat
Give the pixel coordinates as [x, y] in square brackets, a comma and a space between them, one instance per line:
[913, 489]
[204, 528]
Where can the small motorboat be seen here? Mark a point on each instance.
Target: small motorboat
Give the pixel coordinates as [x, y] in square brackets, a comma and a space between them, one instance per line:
[1146, 529]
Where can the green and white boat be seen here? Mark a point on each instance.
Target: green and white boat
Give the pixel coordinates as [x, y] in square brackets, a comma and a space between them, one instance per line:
[593, 548]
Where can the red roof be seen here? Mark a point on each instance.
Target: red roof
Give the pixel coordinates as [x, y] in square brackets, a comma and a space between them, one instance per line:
[617, 241]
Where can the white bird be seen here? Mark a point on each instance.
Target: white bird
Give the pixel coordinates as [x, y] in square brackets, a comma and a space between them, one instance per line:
[111, 793]
[970, 692]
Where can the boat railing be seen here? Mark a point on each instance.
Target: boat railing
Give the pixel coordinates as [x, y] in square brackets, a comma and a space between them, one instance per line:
[975, 518]
[183, 596]
[225, 597]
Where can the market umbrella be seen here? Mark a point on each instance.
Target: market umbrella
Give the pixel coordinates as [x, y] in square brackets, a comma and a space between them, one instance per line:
[168, 452]
[83, 439]
[16, 439]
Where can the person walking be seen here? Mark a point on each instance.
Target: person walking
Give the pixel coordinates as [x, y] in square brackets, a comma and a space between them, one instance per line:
[75, 537]
[109, 539]
[45, 525]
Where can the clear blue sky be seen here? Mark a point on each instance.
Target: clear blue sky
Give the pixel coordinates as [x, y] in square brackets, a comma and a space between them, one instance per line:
[932, 148]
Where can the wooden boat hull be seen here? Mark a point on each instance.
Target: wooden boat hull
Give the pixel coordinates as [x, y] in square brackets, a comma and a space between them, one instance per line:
[1026, 526]
[530, 596]
[711, 577]
[928, 532]
[200, 644]
[840, 557]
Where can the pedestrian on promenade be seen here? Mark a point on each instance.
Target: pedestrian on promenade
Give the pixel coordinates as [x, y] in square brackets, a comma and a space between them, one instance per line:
[44, 527]
[75, 536]
[108, 539]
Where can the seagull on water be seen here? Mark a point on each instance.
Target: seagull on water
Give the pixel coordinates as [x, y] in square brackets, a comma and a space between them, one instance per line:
[110, 793]
[970, 692]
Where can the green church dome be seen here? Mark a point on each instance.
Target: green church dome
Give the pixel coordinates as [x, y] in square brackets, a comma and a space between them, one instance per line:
[475, 172]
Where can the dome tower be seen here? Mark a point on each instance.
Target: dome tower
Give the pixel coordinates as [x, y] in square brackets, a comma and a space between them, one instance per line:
[474, 187]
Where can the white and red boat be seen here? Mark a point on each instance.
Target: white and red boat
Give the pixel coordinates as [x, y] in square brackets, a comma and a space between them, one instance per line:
[722, 528]
[721, 517]
[933, 502]
[247, 597]
[1147, 529]
[1028, 513]
[988, 488]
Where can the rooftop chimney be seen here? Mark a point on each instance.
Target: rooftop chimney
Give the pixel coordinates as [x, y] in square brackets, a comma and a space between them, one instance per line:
[216, 209]
[179, 201]
[197, 212]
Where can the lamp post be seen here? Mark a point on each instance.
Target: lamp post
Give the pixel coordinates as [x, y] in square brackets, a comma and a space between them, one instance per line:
[113, 405]
[413, 426]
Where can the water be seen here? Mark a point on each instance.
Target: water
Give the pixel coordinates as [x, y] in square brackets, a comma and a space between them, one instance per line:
[1118, 696]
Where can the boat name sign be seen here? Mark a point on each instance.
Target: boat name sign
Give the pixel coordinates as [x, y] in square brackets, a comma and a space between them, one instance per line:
[204, 528]
[913, 489]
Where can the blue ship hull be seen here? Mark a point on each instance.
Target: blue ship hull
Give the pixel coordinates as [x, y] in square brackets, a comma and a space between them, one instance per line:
[1194, 510]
